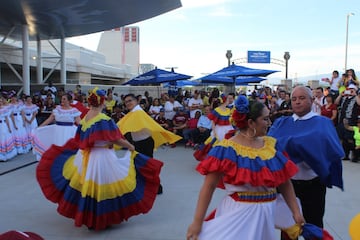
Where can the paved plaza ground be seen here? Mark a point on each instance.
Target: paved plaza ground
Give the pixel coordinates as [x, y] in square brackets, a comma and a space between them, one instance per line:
[23, 206]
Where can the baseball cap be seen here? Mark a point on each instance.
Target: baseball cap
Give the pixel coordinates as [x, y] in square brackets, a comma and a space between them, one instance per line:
[352, 86]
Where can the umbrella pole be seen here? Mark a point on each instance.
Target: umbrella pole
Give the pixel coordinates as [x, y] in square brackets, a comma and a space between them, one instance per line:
[234, 85]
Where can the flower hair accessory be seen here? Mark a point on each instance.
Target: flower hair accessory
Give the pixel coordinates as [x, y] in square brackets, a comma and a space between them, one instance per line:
[239, 115]
[97, 97]
[242, 104]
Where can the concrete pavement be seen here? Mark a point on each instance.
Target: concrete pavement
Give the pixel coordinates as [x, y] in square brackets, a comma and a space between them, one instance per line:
[23, 206]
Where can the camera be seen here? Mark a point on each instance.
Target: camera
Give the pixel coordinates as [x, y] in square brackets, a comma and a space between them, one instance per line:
[347, 92]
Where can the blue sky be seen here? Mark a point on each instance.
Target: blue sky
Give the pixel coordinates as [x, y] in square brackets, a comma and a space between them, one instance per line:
[195, 38]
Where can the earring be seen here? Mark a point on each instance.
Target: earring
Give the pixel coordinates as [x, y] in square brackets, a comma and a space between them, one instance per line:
[254, 133]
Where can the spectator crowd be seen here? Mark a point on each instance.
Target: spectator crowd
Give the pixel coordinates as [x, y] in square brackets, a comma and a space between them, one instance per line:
[187, 114]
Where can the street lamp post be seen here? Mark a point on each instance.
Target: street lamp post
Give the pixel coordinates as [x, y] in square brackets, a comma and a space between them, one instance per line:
[228, 56]
[286, 57]
[347, 37]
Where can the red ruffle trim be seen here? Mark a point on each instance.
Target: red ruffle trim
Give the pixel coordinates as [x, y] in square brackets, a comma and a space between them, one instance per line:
[150, 172]
[241, 176]
[43, 170]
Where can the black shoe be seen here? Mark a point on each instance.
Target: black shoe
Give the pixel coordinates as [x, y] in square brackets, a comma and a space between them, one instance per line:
[345, 159]
[160, 190]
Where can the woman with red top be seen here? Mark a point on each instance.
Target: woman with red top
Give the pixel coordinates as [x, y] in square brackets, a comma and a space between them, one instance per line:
[191, 126]
[330, 109]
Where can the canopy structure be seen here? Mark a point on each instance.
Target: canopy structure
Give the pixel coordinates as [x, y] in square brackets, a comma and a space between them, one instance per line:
[234, 71]
[58, 19]
[156, 77]
[182, 83]
[26, 20]
[230, 74]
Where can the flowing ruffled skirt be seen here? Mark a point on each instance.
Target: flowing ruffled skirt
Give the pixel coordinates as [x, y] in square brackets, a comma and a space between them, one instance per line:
[44, 137]
[240, 220]
[102, 191]
[7, 143]
[22, 141]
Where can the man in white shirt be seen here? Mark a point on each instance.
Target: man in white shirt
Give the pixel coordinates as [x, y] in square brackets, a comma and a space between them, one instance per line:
[230, 99]
[171, 107]
[195, 104]
[334, 82]
[281, 97]
[319, 100]
[50, 87]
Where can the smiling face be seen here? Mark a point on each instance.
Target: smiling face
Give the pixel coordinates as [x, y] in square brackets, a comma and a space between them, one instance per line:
[65, 102]
[263, 122]
[130, 102]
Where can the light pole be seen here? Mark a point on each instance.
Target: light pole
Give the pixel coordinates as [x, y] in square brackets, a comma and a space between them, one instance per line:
[228, 56]
[286, 57]
[347, 36]
[172, 69]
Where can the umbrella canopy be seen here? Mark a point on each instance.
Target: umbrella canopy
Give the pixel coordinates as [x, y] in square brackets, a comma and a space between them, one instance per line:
[234, 71]
[238, 81]
[182, 83]
[244, 81]
[156, 77]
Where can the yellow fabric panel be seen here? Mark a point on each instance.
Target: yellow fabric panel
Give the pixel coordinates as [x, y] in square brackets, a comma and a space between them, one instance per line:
[100, 191]
[138, 120]
[293, 232]
[87, 124]
[266, 152]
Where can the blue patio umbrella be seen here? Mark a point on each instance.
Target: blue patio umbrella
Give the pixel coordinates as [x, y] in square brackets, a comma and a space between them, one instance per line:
[182, 83]
[230, 74]
[156, 77]
[243, 81]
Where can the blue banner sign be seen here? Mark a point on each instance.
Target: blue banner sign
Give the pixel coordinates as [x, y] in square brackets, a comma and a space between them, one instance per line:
[258, 57]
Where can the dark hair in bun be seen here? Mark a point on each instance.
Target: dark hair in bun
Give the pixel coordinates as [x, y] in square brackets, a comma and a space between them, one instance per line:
[245, 110]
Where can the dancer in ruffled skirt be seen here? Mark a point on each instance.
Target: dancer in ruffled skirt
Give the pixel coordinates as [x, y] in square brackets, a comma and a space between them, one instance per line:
[89, 182]
[63, 124]
[17, 123]
[30, 111]
[7, 141]
[249, 166]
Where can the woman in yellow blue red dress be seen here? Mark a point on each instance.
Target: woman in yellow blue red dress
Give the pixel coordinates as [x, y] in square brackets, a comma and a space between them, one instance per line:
[220, 118]
[249, 166]
[89, 182]
[220, 125]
